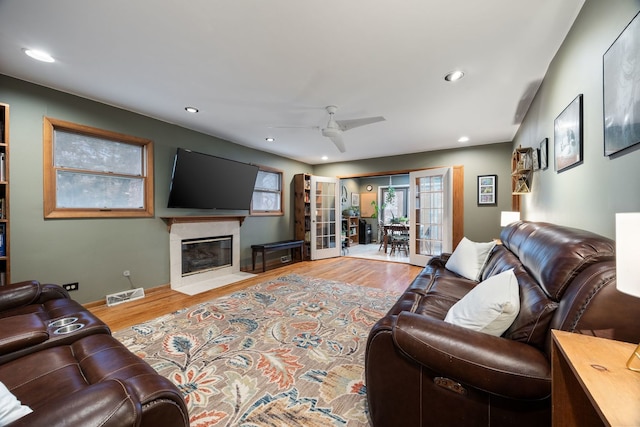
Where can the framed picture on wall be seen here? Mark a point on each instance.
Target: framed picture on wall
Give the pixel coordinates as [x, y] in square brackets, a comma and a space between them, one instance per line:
[487, 190]
[567, 136]
[355, 200]
[621, 85]
[544, 153]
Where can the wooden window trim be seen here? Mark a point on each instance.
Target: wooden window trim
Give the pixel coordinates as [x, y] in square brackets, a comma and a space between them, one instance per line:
[49, 173]
[253, 212]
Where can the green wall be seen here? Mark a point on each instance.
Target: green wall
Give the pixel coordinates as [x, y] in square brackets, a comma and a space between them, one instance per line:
[481, 223]
[586, 196]
[95, 252]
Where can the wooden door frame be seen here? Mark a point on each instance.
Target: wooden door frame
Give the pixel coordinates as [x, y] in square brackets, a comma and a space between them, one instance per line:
[458, 194]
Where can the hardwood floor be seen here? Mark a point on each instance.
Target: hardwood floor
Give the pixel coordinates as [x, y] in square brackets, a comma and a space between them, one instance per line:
[163, 300]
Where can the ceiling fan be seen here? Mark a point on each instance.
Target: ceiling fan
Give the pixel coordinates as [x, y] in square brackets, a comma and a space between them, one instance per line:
[334, 128]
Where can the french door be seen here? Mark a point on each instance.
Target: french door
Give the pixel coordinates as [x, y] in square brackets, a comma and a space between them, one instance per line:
[325, 222]
[430, 214]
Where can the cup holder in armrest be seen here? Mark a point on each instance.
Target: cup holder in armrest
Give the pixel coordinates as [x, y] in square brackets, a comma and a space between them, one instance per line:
[63, 322]
[68, 328]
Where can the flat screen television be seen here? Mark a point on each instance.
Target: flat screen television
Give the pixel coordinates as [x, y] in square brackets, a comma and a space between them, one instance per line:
[202, 181]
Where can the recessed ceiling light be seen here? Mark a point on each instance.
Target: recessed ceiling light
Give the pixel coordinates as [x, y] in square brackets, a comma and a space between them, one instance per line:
[39, 55]
[191, 109]
[270, 139]
[454, 75]
[463, 139]
[325, 158]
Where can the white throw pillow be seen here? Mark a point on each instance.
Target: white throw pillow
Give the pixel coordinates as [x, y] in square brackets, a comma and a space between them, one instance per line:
[469, 258]
[10, 407]
[490, 307]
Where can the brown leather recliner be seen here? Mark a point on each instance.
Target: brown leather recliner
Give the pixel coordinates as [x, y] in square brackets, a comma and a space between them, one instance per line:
[423, 371]
[60, 360]
[35, 316]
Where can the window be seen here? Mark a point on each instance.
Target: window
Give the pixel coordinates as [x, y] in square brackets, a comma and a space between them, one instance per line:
[267, 193]
[90, 172]
[395, 204]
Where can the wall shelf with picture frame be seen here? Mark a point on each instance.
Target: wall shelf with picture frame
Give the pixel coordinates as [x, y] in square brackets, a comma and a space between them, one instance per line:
[521, 170]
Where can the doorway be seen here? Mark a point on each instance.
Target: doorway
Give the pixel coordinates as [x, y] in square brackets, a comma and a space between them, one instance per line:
[371, 191]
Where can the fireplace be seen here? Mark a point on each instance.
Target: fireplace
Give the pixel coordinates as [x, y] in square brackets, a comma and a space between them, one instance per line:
[200, 255]
[204, 254]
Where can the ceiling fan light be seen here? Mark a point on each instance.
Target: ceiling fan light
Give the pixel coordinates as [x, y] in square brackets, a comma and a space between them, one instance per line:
[454, 76]
[39, 55]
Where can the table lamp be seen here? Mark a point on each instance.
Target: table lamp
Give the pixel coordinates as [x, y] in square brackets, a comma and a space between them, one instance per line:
[508, 217]
[628, 265]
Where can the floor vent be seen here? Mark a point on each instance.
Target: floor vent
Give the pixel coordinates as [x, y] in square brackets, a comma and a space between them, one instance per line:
[124, 296]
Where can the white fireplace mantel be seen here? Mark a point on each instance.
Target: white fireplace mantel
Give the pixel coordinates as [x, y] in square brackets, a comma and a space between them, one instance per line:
[170, 220]
[190, 227]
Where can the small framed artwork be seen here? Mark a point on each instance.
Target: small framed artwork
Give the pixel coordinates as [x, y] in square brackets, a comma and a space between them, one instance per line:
[621, 90]
[535, 159]
[567, 136]
[487, 190]
[544, 154]
[355, 199]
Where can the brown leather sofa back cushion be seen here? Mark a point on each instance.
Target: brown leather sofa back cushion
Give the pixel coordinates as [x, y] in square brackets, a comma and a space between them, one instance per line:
[536, 308]
[554, 255]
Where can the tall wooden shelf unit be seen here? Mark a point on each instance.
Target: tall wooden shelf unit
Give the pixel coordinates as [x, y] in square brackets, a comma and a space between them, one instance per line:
[302, 211]
[351, 226]
[5, 269]
[521, 174]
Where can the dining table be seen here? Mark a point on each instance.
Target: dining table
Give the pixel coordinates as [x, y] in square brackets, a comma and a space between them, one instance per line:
[393, 228]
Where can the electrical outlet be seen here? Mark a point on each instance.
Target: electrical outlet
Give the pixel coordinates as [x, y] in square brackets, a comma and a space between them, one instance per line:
[71, 286]
[126, 273]
[285, 259]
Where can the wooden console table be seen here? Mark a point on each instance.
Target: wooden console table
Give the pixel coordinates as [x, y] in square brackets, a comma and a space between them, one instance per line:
[265, 248]
[591, 385]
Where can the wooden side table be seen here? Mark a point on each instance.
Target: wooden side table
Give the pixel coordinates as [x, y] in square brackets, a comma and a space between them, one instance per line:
[591, 385]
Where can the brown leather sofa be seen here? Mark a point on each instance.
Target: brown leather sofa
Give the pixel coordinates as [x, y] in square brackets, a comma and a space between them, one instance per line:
[62, 362]
[423, 371]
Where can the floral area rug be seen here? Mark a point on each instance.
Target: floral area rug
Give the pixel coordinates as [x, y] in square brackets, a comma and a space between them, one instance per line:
[288, 352]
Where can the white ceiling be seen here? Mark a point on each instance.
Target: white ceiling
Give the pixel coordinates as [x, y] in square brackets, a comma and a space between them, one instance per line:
[252, 66]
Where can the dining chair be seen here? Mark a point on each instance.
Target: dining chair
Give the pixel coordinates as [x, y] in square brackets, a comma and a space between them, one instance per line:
[382, 235]
[400, 239]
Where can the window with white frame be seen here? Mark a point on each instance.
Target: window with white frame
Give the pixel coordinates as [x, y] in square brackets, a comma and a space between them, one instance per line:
[395, 203]
[267, 193]
[91, 172]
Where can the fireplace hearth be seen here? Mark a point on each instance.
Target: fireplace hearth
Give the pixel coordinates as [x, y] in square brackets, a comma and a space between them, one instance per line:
[204, 255]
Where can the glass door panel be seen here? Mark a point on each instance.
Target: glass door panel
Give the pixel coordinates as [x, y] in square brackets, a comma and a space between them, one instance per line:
[325, 234]
[431, 224]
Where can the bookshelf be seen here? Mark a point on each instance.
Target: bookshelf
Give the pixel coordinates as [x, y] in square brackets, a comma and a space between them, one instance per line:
[351, 227]
[302, 211]
[4, 195]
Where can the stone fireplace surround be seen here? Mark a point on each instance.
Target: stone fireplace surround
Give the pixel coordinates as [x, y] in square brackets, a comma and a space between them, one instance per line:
[196, 227]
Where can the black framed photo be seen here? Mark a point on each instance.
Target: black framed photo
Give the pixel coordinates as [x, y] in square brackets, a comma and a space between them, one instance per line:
[621, 86]
[487, 190]
[544, 154]
[567, 136]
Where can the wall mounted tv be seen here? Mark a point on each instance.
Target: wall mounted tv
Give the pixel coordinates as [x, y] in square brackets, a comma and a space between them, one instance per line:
[202, 181]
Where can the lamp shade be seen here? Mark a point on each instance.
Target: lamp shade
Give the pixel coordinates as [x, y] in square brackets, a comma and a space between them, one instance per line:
[627, 258]
[508, 217]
